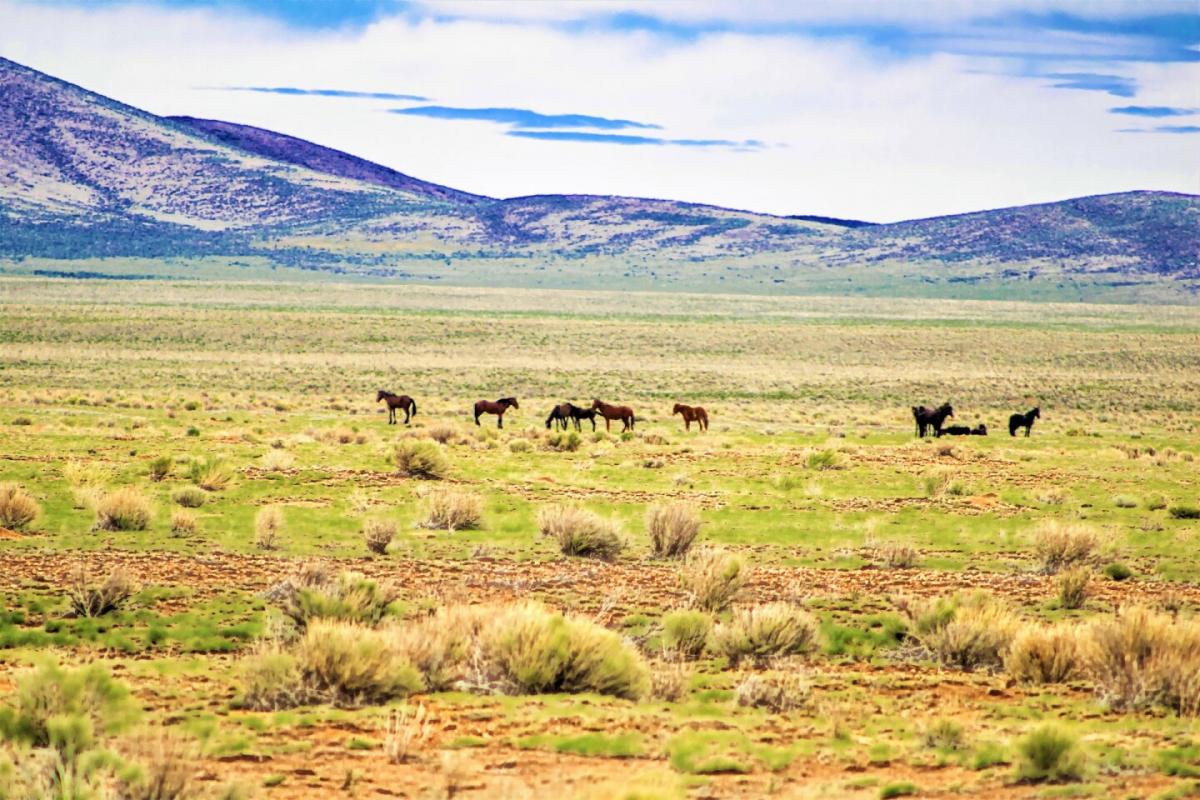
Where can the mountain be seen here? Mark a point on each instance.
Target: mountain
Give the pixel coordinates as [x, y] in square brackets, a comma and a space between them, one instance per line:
[84, 177]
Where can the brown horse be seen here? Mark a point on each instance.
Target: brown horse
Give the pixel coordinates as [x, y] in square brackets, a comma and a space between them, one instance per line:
[691, 414]
[559, 416]
[395, 401]
[497, 407]
[623, 413]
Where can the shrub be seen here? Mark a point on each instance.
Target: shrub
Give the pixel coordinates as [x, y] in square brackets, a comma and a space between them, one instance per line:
[1156, 502]
[1073, 587]
[183, 522]
[1183, 511]
[672, 529]
[1117, 571]
[48, 692]
[378, 534]
[350, 664]
[669, 682]
[896, 555]
[686, 632]
[441, 432]
[22, 421]
[160, 765]
[421, 459]
[270, 680]
[17, 506]
[519, 446]
[451, 510]
[712, 578]
[763, 632]
[1140, 658]
[1049, 754]
[1052, 496]
[267, 524]
[564, 441]
[777, 692]
[277, 460]
[160, 468]
[124, 509]
[963, 631]
[535, 651]
[406, 727]
[935, 483]
[579, 532]
[1058, 545]
[1042, 654]
[90, 599]
[900, 789]
[440, 645]
[1125, 501]
[350, 597]
[944, 734]
[190, 497]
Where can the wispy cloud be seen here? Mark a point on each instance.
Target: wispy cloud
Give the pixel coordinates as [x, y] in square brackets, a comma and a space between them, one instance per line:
[1154, 111]
[1163, 129]
[1116, 85]
[292, 90]
[626, 139]
[523, 118]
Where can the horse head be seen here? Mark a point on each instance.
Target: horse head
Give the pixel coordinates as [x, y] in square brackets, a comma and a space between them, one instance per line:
[1036, 413]
[596, 404]
[947, 409]
[509, 401]
[380, 395]
[677, 410]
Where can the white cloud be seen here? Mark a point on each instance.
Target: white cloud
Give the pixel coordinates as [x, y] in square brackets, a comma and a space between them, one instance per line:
[852, 134]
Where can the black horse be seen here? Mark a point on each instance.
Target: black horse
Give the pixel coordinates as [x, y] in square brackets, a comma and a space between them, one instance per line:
[395, 401]
[578, 413]
[1023, 421]
[931, 421]
[963, 430]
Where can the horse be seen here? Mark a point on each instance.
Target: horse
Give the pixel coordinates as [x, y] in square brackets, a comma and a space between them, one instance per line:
[395, 401]
[623, 413]
[955, 430]
[578, 413]
[691, 414]
[559, 416]
[980, 430]
[1023, 421]
[931, 420]
[497, 407]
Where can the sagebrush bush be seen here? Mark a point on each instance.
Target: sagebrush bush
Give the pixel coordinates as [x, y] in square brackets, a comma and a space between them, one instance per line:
[416, 458]
[964, 631]
[1139, 658]
[896, 555]
[669, 682]
[125, 509]
[160, 468]
[190, 496]
[713, 578]
[535, 650]
[442, 432]
[564, 441]
[451, 510]
[1042, 654]
[686, 632]
[349, 664]
[1059, 545]
[672, 529]
[270, 680]
[441, 645]
[777, 692]
[761, 633]
[313, 594]
[579, 532]
[1050, 754]
[1073, 587]
[1117, 571]
[378, 534]
[183, 522]
[944, 734]
[268, 522]
[95, 599]
[159, 765]
[17, 506]
[49, 692]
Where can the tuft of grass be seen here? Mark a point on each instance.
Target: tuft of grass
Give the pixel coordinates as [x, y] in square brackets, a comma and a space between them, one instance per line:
[90, 599]
[896, 555]
[713, 578]
[1117, 571]
[1059, 545]
[686, 632]
[190, 496]
[1073, 587]
[669, 682]
[451, 510]
[672, 529]
[124, 509]
[1050, 754]
[564, 441]
[441, 432]
[183, 522]
[17, 506]
[579, 532]
[1041, 654]
[159, 765]
[160, 468]
[1125, 501]
[823, 460]
[378, 534]
[900, 789]
[267, 524]
[768, 631]
[277, 460]
[945, 734]
[421, 459]
[211, 477]
[777, 692]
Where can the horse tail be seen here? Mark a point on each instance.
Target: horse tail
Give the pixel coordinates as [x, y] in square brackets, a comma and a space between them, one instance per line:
[413, 403]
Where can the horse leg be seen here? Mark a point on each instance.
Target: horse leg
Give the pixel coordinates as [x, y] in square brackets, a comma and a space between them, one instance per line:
[476, 418]
[500, 420]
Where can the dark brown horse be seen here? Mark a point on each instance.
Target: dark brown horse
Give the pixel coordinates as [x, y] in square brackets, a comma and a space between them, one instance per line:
[559, 416]
[578, 413]
[623, 413]
[1018, 421]
[394, 401]
[931, 421]
[691, 414]
[497, 407]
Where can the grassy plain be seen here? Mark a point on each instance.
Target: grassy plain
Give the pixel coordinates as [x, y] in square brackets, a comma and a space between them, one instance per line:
[810, 472]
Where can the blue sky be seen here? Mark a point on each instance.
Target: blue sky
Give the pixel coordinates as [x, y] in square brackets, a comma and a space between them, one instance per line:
[858, 108]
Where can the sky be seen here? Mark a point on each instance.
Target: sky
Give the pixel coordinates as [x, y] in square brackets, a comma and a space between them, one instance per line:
[861, 109]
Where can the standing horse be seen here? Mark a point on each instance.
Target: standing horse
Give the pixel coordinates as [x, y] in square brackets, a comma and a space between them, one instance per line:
[559, 416]
[691, 414]
[497, 407]
[1023, 421]
[931, 421]
[578, 413]
[623, 413]
[395, 401]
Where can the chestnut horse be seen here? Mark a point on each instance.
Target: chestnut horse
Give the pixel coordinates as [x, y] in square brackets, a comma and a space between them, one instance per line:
[497, 407]
[395, 401]
[691, 414]
[623, 413]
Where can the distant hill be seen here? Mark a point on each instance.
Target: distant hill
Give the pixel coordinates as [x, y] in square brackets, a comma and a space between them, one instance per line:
[84, 177]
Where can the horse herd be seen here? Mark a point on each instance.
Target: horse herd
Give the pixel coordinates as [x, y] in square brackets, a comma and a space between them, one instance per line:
[930, 421]
[560, 416]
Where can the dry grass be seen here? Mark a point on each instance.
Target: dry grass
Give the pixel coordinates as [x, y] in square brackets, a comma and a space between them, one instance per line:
[579, 532]
[1073, 587]
[183, 522]
[764, 632]
[213, 477]
[777, 692]
[407, 729]
[277, 460]
[1059, 545]
[442, 645]
[669, 681]
[378, 534]
[451, 510]
[268, 522]
[161, 765]
[270, 680]
[17, 507]
[895, 555]
[125, 509]
[672, 529]
[713, 578]
[442, 432]
[1041, 654]
[90, 599]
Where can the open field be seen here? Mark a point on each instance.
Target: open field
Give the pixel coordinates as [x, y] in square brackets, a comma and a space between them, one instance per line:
[810, 475]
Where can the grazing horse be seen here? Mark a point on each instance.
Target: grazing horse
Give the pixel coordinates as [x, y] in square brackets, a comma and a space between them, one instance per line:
[497, 407]
[395, 401]
[559, 415]
[623, 413]
[931, 421]
[691, 414]
[578, 413]
[1023, 421]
